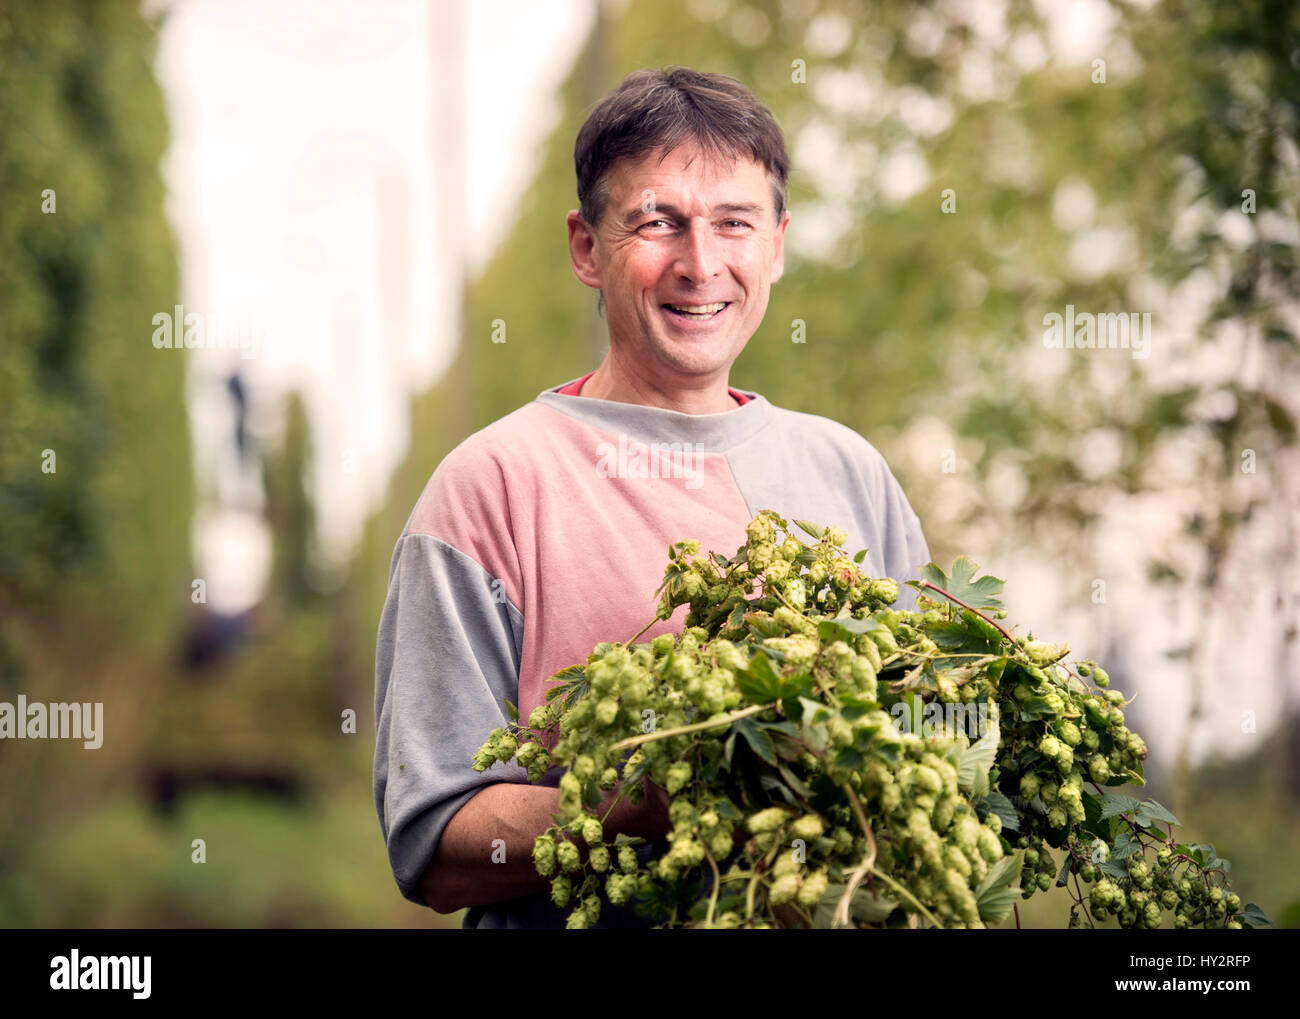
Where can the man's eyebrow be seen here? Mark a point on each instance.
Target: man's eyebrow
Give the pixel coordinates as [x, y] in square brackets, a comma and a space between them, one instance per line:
[665, 208]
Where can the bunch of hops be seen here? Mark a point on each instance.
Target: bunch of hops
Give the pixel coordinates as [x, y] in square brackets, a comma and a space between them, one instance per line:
[833, 761]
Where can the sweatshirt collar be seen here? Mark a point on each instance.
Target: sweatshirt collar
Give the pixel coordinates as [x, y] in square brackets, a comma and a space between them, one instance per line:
[713, 432]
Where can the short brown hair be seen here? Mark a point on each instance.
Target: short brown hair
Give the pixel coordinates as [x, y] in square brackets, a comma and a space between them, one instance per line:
[654, 109]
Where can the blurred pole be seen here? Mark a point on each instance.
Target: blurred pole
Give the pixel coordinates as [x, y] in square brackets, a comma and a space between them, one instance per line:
[447, 50]
[1287, 632]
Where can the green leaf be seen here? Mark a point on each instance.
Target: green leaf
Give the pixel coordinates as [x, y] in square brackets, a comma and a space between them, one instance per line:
[512, 711]
[974, 761]
[762, 625]
[1125, 846]
[760, 683]
[1150, 811]
[775, 786]
[961, 636]
[977, 594]
[850, 758]
[816, 530]
[737, 617]
[793, 781]
[571, 678]
[1256, 917]
[859, 556]
[1004, 809]
[1113, 804]
[864, 907]
[759, 741]
[1035, 707]
[1065, 871]
[995, 895]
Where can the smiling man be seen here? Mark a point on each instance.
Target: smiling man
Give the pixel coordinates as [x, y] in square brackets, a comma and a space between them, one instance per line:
[546, 532]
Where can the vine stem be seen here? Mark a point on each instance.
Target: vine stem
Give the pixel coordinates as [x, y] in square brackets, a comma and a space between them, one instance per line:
[992, 622]
[711, 723]
[717, 881]
[632, 639]
[900, 890]
[1079, 893]
[842, 917]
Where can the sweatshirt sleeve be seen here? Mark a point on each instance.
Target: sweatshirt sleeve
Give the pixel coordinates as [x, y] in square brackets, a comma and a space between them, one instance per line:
[906, 550]
[447, 657]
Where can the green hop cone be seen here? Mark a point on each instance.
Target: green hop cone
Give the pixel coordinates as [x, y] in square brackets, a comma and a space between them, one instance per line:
[544, 855]
[678, 775]
[808, 827]
[619, 888]
[1042, 653]
[592, 832]
[883, 589]
[606, 711]
[627, 861]
[568, 857]
[768, 820]
[813, 888]
[561, 890]
[570, 794]
[784, 889]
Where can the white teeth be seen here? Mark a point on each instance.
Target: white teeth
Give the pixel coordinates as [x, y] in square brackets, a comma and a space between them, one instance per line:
[699, 309]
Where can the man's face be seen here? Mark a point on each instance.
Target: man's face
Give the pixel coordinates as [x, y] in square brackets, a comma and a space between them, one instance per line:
[686, 252]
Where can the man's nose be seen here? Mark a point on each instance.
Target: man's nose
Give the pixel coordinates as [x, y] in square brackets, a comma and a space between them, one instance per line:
[698, 257]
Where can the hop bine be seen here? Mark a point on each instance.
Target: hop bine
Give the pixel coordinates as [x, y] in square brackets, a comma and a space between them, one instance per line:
[831, 760]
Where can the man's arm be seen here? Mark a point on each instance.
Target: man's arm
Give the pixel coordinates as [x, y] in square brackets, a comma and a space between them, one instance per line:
[462, 872]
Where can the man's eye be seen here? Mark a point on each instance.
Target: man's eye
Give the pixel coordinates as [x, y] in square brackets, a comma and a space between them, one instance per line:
[656, 222]
[736, 223]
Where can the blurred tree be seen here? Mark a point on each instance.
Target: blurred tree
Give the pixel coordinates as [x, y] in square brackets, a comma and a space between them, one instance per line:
[289, 509]
[96, 488]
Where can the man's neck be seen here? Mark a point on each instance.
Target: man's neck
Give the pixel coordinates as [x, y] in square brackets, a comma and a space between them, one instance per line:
[608, 383]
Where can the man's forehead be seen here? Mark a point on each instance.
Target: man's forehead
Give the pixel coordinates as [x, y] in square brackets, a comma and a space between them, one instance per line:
[689, 172]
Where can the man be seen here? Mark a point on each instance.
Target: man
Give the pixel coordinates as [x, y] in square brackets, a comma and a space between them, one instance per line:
[547, 532]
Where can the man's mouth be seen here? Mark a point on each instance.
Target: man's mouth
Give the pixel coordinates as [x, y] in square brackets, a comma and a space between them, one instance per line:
[697, 312]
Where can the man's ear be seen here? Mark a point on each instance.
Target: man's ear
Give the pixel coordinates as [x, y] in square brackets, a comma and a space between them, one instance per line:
[583, 254]
[778, 250]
